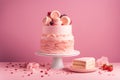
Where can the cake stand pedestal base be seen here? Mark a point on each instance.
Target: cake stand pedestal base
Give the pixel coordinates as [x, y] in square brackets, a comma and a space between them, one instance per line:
[57, 62]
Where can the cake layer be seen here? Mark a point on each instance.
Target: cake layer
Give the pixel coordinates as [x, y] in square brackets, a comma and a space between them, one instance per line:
[84, 63]
[57, 46]
[57, 29]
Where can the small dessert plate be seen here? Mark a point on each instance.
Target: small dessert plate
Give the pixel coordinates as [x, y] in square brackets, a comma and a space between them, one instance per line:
[82, 70]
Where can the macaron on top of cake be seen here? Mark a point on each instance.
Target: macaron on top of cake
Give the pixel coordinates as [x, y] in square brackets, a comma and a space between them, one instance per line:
[56, 18]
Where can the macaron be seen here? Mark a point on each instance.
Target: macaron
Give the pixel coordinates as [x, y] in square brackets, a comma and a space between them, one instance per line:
[65, 20]
[55, 14]
[46, 20]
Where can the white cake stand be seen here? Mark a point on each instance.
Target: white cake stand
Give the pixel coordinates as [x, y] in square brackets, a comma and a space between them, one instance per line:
[57, 58]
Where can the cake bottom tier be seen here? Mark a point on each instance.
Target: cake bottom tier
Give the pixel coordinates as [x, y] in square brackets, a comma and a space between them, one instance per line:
[56, 46]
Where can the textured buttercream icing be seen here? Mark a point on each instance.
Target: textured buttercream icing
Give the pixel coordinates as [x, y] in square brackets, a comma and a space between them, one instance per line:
[57, 29]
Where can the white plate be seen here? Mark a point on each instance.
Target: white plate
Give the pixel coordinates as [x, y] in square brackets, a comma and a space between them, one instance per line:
[82, 70]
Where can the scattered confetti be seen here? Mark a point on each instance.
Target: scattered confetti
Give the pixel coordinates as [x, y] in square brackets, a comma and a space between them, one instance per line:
[11, 72]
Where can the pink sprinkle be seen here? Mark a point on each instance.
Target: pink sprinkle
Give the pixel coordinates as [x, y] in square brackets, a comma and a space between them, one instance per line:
[100, 72]
[41, 71]
[12, 65]
[11, 72]
[6, 66]
[31, 72]
[15, 69]
[16, 64]
[48, 69]
[43, 65]
[21, 66]
[41, 75]
[28, 74]
[46, 73]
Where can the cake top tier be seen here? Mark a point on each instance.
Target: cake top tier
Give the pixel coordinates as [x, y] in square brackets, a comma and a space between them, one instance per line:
[54, 18]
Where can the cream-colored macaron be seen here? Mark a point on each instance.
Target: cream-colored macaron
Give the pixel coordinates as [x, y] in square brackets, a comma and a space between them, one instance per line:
[55, 14]
[65, 20]
[46, 20]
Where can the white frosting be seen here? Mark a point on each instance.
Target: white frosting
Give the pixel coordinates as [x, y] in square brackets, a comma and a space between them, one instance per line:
[57, 29]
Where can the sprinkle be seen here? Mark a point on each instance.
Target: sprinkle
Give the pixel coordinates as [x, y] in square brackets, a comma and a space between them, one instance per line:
[16, 69]
[6, 66]
[31, 72]
[28, 74]
[21, 66]
[11, 72]
[16, 64]
[99, 72]
[43, 65]
[41, 75]
[46, 73]
[48, 69]
[12, 65]
[41, 71]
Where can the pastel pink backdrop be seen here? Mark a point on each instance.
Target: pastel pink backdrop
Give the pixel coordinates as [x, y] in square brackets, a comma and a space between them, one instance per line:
[96, 27]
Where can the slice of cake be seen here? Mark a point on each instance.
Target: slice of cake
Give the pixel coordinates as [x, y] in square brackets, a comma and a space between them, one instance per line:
[83, 63]
[57, 34]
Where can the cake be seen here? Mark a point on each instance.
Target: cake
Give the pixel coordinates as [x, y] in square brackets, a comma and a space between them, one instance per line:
[83, 63]
[57, 34]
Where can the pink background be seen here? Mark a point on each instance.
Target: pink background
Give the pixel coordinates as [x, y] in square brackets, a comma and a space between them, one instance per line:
[96, 27]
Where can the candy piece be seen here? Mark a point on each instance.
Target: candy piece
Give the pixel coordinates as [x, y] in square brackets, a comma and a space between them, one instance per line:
[65, 20]
[46, 20]
[55, 14]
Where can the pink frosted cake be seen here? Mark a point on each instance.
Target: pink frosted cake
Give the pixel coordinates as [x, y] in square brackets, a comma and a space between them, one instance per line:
[57, 34]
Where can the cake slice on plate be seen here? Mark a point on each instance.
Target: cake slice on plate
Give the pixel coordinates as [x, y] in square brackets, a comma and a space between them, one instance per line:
[83, 63]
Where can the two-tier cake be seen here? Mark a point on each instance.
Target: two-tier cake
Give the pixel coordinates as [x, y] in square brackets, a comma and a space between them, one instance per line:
[57, 34]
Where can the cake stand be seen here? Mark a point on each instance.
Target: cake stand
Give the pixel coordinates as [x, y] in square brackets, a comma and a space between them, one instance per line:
[57, 58]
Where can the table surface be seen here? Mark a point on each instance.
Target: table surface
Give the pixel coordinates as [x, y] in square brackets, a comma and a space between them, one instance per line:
[17, 71]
